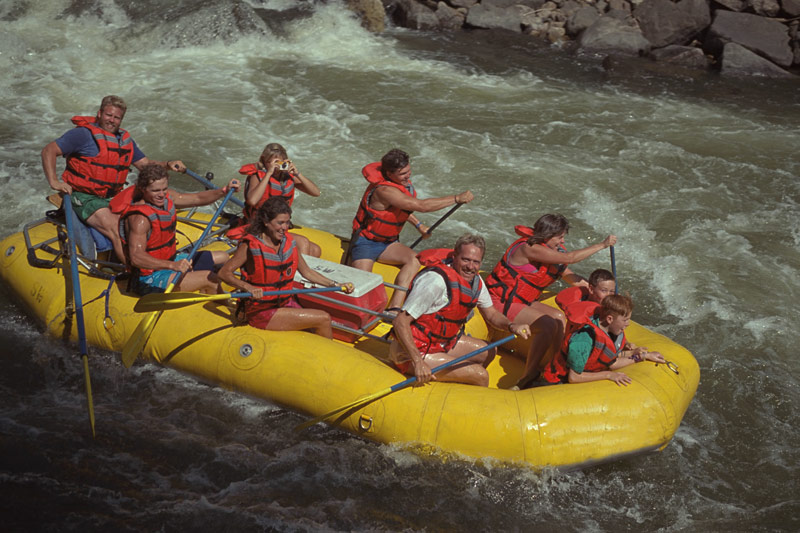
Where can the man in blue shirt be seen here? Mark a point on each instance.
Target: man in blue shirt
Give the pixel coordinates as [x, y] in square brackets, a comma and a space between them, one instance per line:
[99, 155]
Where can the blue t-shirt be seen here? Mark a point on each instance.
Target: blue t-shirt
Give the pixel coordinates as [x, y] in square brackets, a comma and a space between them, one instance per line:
[81, 142]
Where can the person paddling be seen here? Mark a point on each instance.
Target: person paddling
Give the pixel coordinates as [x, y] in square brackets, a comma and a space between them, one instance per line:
[268, 258]
[531, 264]
[429, 329]
[388, 202]
[147, 222]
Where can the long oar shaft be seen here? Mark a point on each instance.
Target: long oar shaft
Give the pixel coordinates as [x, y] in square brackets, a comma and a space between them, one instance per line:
[210, 185]
[138, 339]
[78, 303]
[436, 224]
[396, 387]
[614, 270]
[162, 301]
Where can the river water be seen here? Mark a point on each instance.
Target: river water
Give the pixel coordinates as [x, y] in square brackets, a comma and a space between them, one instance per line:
[696, 175]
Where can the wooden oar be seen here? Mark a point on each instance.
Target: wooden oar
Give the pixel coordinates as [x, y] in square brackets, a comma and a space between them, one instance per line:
[138, 339]
[384, 392]
[174, 300]
[436, 224]
[210, 185]
[614, 270]
[77, 302]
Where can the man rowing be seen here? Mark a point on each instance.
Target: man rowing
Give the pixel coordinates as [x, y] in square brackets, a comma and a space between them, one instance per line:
[388, 202]
[147, 222]
[429, 329]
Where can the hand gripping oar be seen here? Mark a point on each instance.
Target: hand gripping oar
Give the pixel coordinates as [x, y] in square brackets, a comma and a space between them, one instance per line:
[210, 185]
[614, 270]
[175, 300]
[435, 224]
[138, 339]
[78, 303]
[394, 388]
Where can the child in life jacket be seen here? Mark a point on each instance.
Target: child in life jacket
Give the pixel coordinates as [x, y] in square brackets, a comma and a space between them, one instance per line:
[598, 350]
[579, 302]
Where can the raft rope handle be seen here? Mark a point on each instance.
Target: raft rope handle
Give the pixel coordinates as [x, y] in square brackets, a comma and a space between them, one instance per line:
[107, 294]
[672, 366]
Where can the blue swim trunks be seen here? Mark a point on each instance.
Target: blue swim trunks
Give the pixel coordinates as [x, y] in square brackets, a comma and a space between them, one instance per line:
[159, 280]
[364, 248]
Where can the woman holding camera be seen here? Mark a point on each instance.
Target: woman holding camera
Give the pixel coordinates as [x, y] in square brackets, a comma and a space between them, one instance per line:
[276, 175]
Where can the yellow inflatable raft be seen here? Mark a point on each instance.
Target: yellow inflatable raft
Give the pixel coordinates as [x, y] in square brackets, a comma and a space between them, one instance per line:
[559, 426]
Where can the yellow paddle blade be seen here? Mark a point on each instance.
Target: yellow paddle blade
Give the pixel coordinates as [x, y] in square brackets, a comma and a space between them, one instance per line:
[347, 407]
[138, 339]
[174, 300]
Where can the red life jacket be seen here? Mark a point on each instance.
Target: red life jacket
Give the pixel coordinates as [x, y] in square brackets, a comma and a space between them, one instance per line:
[571, 295]
[442, 329]
[511, 285]
[380, 226]
[103, 175]
[161, 242]
[434, 256]
[603, 355]
[270, 270]
[275, 187]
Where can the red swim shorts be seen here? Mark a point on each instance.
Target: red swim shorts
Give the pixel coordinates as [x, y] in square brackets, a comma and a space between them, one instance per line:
[261, 319]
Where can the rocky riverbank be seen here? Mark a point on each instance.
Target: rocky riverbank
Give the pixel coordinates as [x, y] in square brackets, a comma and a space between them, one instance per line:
[734, 37]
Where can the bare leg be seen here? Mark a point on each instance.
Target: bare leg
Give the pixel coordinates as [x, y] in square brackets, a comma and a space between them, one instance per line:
[219, 257]
[107, 223]
[406, 258]
[363, 264]
[471, 371]
[547, 331]
[204, 281]
[293, 319]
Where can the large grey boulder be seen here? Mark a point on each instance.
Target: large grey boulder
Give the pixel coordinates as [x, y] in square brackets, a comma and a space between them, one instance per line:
[581, 19]
[612, 35]
[685, 56]
[739, 61]
[768, 8]
[491, 17]
[462, 3]
[410, 14]
[449, 17]
[766, 37]
[371, 13]
[664, 22]
[733, 5]
[791, 7]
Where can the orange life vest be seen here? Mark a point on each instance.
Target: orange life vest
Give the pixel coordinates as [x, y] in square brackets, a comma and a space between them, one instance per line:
[275, 187]
[161, 242]
[434, 256]
[511, 284]
[443, 328]
[604, 353]
[375, 225]
[270, 270]
[577, 308]
[103, 175]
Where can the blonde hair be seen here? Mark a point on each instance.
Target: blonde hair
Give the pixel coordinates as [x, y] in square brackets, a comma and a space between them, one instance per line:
[113, 101]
